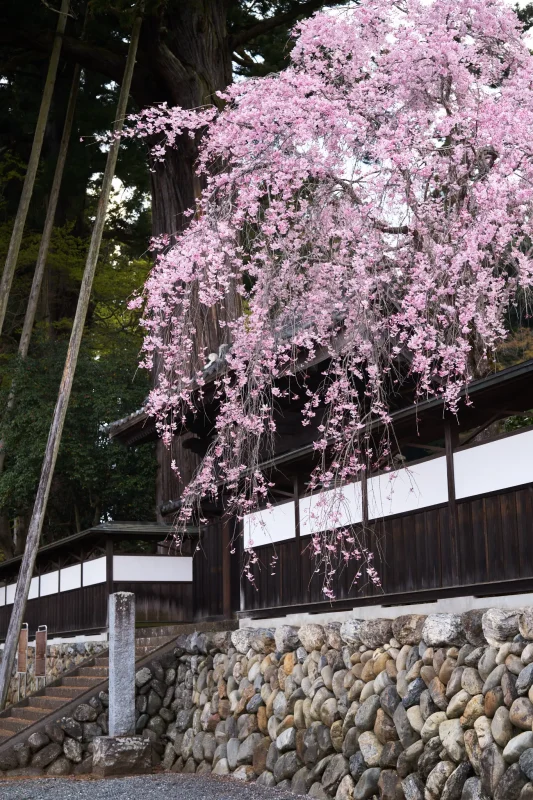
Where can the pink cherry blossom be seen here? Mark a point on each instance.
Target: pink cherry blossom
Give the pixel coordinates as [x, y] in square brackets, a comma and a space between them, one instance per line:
[372, 202]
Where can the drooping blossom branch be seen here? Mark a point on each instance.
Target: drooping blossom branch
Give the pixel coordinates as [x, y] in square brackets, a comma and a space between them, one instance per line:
[372, 202]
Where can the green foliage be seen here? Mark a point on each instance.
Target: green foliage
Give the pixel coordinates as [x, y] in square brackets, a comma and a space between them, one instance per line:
[525, 15]
[95, 479]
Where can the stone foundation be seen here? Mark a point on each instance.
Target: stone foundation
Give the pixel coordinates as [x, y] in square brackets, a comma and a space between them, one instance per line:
[419, 708]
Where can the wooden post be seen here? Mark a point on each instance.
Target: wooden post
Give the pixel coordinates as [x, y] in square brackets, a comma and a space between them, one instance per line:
[364, 499]
[109, 565]
[296, 489]
[451, 439]
[33, 163]
[240, 551]
[226, 568]
[58, 421]
[22, 659]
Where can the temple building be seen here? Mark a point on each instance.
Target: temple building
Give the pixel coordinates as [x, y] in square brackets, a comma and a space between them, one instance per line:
[453, 523]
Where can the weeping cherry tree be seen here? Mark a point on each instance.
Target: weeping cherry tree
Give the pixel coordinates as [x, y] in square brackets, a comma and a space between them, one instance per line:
[372, 202]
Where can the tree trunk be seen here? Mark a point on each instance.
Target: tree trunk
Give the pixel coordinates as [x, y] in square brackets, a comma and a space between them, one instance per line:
[192, 66]
[31, 172]
[184, 58]
[40, 266]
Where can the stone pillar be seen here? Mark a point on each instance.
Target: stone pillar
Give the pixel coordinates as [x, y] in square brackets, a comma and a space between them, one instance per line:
[121, 664]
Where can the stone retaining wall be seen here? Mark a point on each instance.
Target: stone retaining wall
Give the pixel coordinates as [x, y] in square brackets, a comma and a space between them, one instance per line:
[417, 707]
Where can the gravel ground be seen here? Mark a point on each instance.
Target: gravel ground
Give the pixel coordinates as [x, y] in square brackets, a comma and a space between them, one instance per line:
[153, 787]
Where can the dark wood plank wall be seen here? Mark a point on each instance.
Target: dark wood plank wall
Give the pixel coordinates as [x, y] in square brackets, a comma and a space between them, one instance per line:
[85, 609]
[76, 610]
[158, 603]
[413, 552]
[207, 574]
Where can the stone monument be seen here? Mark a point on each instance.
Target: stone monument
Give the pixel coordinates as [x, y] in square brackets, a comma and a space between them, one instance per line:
[121, 753]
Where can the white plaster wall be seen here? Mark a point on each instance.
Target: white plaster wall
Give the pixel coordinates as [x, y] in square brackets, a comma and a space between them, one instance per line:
[494, 466]
[57, 640]
[49, 583]
[269, 525]
[94, 571]
[70, 578]
[331, 509]
[408, 489]
[176, 569]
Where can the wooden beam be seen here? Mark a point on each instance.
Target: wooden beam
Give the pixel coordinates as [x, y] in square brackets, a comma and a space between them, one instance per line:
[109, 564]
[451, 439]
[481, 428]
[282, 493]
[226, 568]
[298, 565]
[431, 448]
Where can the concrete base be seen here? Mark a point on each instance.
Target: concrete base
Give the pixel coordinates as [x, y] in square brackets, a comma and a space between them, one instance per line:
[447, 605]
[121, 755]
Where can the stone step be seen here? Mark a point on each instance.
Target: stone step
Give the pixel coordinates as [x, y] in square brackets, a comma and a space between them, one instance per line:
[81, 681]
[65, 692]
[87, 678]
[153, 642]
[14, 725]
[160, 630]
[94, 672]
[29, 713]
[49, 702]
[141, 652]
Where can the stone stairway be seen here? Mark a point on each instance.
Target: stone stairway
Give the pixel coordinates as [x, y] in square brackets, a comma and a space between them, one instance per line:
[79, 684]
[86, 677]
[65, 689]
[149, 639]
